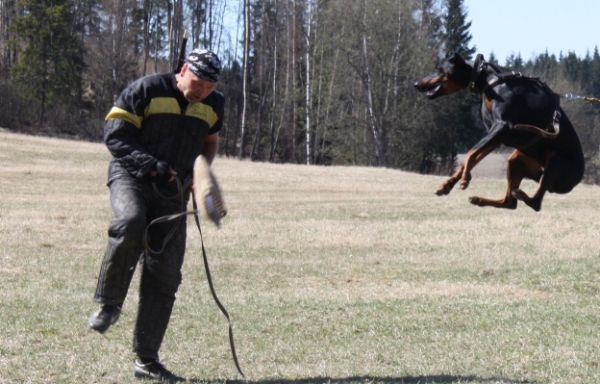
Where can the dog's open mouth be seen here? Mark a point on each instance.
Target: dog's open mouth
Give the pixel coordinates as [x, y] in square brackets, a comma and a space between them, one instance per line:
[430, 87]
[431, 93]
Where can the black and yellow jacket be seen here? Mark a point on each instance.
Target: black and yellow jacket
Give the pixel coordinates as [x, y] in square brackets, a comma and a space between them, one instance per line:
[152, 121]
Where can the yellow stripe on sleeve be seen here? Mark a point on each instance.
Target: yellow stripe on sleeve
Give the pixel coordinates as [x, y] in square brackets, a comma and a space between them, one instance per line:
[118, 113]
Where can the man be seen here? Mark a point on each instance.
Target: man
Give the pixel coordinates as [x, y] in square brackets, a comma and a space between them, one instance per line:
[155, 131]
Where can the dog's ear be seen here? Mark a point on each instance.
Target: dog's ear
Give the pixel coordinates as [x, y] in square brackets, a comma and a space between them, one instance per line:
[455, 58]
[459, 70]
[479, 60]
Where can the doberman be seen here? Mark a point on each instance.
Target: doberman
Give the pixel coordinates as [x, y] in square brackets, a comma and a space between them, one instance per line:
[520, 112]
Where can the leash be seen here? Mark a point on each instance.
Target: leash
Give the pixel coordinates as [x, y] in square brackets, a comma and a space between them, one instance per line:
[163, 219]
[214, 294]
[178, 217]
[572, 96]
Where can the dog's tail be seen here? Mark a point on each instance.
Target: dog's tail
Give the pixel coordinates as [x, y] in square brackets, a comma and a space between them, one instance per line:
[546, 134]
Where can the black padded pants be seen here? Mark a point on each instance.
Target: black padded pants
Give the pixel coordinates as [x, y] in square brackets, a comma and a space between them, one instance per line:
[135, 205]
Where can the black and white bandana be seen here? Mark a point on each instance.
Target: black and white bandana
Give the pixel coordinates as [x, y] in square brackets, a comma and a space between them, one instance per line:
[204, 64]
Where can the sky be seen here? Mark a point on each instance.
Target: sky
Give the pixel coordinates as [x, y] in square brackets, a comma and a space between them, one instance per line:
[532, 27]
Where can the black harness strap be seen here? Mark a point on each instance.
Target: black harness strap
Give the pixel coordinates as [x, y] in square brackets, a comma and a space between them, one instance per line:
[496, 77]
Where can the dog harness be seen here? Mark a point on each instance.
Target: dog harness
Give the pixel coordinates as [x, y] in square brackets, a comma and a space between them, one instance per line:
[496, 77]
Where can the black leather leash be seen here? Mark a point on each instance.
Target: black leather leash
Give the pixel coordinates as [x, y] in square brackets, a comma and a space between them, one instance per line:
[178, 217]
[214, 294]
[163, 219]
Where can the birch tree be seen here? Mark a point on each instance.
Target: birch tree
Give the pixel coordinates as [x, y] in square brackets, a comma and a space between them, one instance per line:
[243, 127]
[307, 60]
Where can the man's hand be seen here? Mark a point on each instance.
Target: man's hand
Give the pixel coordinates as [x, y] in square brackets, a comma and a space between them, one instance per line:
[163, 173]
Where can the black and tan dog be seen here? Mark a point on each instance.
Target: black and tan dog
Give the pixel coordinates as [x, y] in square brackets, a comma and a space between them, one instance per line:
[519, 112]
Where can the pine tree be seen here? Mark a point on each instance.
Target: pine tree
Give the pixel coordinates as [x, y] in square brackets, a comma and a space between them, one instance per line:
[50, 55]
[457, 36]
[492, 59]
[593, 87]
[515, 62]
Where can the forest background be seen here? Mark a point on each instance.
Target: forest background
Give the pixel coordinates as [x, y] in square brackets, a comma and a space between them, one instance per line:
[326, 82]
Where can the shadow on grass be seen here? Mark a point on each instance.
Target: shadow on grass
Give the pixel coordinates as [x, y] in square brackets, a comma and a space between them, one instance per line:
[441, 379]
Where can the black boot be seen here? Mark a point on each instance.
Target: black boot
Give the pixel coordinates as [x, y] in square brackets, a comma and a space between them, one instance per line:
[154, 370]
[103, 318]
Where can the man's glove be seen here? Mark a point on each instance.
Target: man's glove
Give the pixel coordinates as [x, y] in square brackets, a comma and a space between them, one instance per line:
[207, 193]
[164, 174]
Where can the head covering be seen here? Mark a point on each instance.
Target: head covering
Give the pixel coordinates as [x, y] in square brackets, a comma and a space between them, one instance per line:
[204, 64]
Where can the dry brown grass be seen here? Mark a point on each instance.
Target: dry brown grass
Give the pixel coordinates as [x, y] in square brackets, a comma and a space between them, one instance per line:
[492, 166]
[332, 274]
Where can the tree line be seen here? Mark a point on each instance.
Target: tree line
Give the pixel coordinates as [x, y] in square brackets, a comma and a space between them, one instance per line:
[326, 82]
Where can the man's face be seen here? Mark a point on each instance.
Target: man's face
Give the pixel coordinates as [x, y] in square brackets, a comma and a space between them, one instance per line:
[193, 88]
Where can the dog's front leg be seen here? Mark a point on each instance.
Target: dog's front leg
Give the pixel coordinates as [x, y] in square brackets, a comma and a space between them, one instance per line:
[473, 157]
[483, 148]
[463, 174]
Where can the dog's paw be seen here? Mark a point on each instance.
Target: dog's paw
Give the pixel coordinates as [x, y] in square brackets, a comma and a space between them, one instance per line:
[446, 187]
[534, 204]
[475, 200]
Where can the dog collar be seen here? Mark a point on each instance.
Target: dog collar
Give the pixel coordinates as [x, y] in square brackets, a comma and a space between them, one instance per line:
[491, 79]
[478, 65]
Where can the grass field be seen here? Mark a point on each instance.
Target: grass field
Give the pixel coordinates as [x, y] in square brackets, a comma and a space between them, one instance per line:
[331, 275]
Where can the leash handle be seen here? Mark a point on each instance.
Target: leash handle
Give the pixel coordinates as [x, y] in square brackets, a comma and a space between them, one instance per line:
[214, 293]
[572, 96]
[178, 195]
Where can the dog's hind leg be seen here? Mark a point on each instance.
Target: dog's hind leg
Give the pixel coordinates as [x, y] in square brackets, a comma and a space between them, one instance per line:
[527, 167]
[519, 167]
[560, 176]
